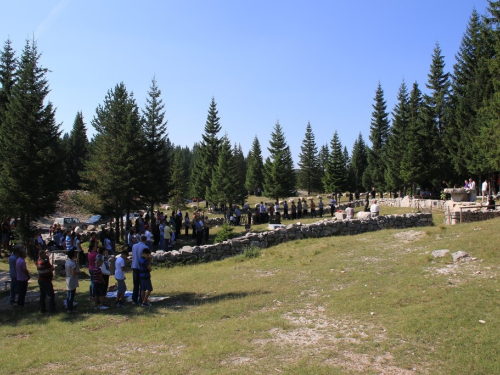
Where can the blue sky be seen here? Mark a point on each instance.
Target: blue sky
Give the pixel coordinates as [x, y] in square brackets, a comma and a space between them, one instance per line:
[263, 61]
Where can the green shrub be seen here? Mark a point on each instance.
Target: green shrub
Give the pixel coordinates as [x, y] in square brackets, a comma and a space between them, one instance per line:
[252, 252]
[225, 233]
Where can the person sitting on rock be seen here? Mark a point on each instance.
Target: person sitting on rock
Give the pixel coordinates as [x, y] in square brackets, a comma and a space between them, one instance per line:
[374, 209]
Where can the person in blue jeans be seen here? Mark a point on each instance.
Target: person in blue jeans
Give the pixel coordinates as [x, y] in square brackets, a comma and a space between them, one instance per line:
[13, 274]
[137, 251]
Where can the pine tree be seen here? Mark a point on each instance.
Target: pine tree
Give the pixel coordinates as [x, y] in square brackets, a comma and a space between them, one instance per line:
[30, 177]
[76, 152]
[379, 132]
[8, 66]
[489, 130]
[279, 177]
[255, 168]
[436, 115]
[157, 154]
[396, 142]
[359, 162]
[177, 183]
[115, 170]
[336, 174]
[322, 160]
[412, 166]
[308, 174]
[223, 189]
[208, 153]
[240, 173]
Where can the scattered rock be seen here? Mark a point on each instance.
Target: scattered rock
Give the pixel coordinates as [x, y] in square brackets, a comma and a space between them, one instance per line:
[440, 253]
[460, 256]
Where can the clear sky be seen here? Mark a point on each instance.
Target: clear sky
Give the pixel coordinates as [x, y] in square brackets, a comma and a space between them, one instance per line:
[263, 61]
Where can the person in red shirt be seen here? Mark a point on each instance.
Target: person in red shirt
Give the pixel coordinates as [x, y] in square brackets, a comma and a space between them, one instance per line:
[45, 276]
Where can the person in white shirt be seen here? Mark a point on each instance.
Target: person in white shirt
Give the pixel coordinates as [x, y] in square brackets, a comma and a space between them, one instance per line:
[484, 190]
[472, 187]
[374, 209]
[149, 237]
[349, 212]
[120, 277]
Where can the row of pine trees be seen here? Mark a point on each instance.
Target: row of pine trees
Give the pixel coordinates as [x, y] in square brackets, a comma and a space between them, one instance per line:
[450, 132]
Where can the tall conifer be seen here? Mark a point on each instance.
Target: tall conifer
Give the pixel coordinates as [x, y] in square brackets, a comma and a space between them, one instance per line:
[335, 178]
[379, 132]
[308, 174]
[30, 177]
[255, 166]
[279, 177]
[208, 153]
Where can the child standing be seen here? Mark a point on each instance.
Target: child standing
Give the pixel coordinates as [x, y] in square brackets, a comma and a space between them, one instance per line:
[120, 277]
[99, 291]
[145, 276]
[71, 280]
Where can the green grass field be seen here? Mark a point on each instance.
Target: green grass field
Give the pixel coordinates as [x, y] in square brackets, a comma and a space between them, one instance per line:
[371, 304]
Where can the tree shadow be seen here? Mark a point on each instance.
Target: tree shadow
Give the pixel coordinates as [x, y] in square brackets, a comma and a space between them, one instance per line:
[30, 314]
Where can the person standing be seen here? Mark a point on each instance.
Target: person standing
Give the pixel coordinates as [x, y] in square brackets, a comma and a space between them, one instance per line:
[145, 275]
[14, 289]
[373, 192]
[484, 189]
[92, 255]
[45, 276]
[321, 206]
[472, 187]
[294, 211]
[187, 224]
[120, 278]
[167, 234]
[137, 251]
[299, 209]
[206, 228]
[313, 209]
[71, 279]
[23, 277]
[285, 210]
[199, 231]
[161, 228]
[332, 205]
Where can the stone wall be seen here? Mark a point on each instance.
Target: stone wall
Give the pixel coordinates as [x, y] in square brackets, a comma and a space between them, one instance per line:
[292, 232]
[469, 215]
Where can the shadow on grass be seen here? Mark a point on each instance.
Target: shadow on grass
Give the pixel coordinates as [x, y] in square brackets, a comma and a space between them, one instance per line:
[29, 314]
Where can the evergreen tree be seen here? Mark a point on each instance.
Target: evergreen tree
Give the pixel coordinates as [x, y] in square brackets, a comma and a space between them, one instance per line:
[489, 130]
[240, 173]
[436, 116]
[30, 177]
[359, 163]
[308, 174]
[157, 153]
[76, 152]
[177, 184]
[322, 160]
[208, 153]
[279, 177]
[8, 66]
[255, 167]
[115, 170]
[412, 167]
[471, 88]
[223, 188]
[396, 142]
[335, 178]
[379, 132]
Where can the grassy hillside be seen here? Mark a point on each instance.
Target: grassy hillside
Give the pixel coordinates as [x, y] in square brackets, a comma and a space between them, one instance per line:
[373, 303]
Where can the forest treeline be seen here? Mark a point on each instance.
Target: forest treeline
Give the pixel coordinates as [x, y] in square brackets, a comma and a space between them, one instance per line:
[449, 130]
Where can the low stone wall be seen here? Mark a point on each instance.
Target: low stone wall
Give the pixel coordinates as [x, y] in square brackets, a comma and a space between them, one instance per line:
[469, 215]
[324, 228]
[292, 232]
